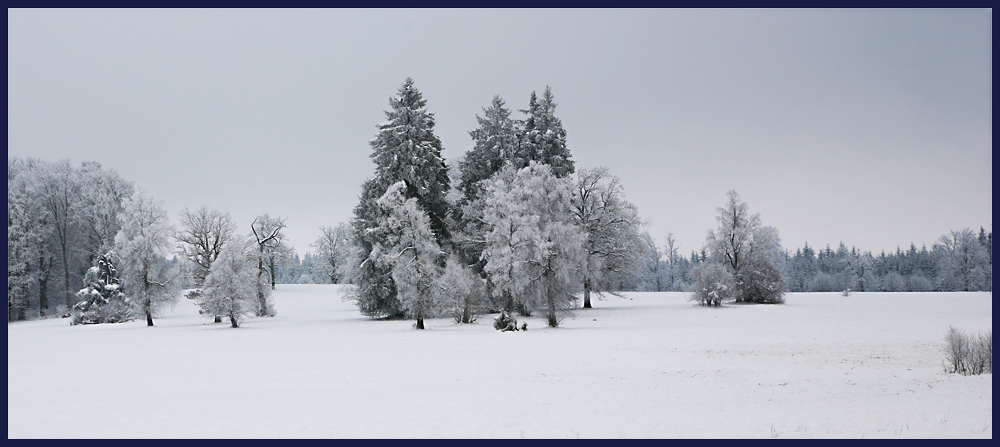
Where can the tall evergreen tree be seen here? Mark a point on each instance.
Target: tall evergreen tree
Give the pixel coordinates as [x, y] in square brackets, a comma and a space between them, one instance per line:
[496, 143]
[542, 137]
[404, 150]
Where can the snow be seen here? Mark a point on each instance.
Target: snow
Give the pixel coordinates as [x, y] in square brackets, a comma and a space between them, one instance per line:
[651, 365]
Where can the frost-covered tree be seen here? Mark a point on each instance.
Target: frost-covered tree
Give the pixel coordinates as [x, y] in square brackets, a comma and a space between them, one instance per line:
[496, 143]
[203, 233]
[411, 253]
[405, 149]
[267, 236]
[963, 262]
[860, 268]
[460, 288]
[102, 299]
[141, 247]
[611, 226]
[652, 266]
[749, 250]
[542, 136]
[534, 251]
[101, 195]
[20, 241]
[332, 250]
[232, 283]
[55, 187]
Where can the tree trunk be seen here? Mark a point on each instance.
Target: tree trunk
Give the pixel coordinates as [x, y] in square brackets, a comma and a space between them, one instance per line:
[65, 263]
[272, 278]
[218, 318]
[43, 290]
[467, 312]
[420, 323]
[553, 321]
[232, 319]
[260, 290]
[149, 316]
[586, 294]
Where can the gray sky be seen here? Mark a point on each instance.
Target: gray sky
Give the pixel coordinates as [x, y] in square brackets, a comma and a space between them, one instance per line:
[870, 127]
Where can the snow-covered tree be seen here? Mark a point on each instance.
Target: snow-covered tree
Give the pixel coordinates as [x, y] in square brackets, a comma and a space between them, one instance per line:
[55, 187]
[460, 289]
[405, 149]
[963, 262]
[332, 250]
[232, 282]
[102, 299]
[141, 247]
[534, 251]
[411, 253]
[542, 136]
[748, 249]
[860, 268]
[496, 143]
[21, 238]
[611, 225]
[100, 199]
[267, 237]
[203, 234]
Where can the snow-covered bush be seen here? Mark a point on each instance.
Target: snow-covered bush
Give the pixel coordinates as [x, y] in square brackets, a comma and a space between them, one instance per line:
[762, 283]
[711, 284]
[101, 300]
[506, 323]
[232, 282]
[968, 355]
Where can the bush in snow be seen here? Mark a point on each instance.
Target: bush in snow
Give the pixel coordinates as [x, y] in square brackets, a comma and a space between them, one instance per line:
[968, 355]
[506, 323]
[763, 284]
[232, 282]
[711, 284]
[101, 301]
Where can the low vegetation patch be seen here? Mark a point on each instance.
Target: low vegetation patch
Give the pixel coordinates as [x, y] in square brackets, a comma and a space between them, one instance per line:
[967, 354]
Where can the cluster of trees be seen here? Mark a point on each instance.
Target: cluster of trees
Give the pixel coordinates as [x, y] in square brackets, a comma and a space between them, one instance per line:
[82, 242]
[519, 232]
[961, 260]
[522, 230]
[60, 220]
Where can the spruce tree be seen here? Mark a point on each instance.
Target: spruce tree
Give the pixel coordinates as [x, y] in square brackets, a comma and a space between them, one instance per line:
[404, 150]
[542, 137]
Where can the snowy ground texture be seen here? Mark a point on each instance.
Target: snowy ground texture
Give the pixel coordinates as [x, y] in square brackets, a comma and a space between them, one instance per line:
[650, 365]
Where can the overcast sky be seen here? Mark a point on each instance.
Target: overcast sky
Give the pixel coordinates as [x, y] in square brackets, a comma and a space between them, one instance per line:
[870, 127]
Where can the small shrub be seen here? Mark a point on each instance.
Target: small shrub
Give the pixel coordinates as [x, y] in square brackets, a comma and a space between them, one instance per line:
[711, 284]
[967, 355]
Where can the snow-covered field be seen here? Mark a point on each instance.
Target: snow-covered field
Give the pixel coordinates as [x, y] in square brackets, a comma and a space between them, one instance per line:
[650, 365]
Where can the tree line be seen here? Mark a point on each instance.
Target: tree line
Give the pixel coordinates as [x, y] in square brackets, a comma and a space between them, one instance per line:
[512, 226]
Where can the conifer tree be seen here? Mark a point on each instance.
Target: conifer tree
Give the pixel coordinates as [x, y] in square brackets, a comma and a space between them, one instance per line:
[404, 150]
[542, 137]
